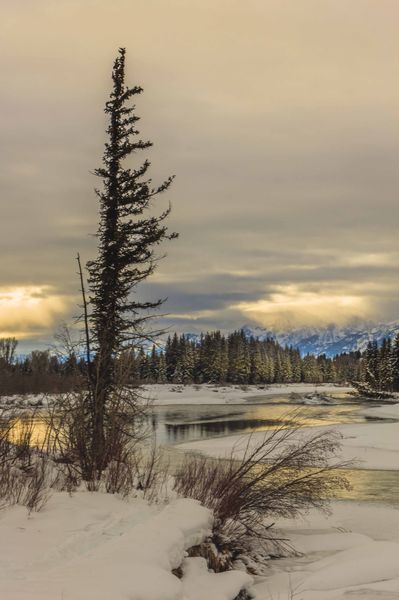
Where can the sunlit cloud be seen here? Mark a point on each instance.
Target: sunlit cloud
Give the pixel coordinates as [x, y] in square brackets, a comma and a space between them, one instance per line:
[369, 259]
[27, 311]
[291, 305]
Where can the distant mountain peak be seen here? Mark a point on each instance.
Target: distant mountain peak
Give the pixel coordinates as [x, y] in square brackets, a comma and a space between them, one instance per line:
[331, 339]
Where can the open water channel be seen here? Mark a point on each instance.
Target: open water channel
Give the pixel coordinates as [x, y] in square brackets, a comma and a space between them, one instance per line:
[180, 423]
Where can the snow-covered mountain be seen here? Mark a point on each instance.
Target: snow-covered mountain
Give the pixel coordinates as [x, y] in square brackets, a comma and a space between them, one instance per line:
[329, 340]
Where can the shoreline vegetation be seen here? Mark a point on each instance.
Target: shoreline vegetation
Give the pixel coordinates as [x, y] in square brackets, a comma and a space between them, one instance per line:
[145, 531]
[212, 359]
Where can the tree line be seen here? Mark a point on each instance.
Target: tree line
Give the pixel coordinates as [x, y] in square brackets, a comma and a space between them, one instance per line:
[212, 358]
[239, 359]
[379, 373]
[40, 371]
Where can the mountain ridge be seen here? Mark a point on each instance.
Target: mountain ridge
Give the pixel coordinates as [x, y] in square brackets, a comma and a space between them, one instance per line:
[329, 340]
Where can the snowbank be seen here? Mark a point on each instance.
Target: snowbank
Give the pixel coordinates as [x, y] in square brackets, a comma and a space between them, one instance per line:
[210, 394]
[354, 552]
[93, 546]
[389, 411]
[371, 445]
[337, 563]
[166, 394]
[199, 584]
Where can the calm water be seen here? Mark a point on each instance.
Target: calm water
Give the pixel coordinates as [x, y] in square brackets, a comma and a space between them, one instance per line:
[372, 486]
[177, 424]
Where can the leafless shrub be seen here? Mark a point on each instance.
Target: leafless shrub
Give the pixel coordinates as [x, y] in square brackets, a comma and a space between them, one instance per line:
[28, 487]
[22, 434]
[134, 463]
[36, 489]
[152, 471]
[16, 438]
[119, 477]
[61, 456]
[137, 468]
[66, 437]
[25, 473]
[141, 468]
[284, 475]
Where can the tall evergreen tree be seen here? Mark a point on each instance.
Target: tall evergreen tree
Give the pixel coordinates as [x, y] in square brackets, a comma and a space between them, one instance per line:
[372, 365]
[171, 356]
[161, 375]
[395, 363]
[239, 359]
[154, 364]
[126, 252]
[385, 365]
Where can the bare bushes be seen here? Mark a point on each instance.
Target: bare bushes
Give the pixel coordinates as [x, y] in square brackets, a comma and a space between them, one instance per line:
[142, 469]
[285, 474]
[39, 454]
[134, 464]
[25, 473]
[28, 487]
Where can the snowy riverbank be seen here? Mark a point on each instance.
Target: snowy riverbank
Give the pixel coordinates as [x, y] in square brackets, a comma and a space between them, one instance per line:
[168, 394]
[353, 553]
[164, 394]
[95, 546]
[373, 445]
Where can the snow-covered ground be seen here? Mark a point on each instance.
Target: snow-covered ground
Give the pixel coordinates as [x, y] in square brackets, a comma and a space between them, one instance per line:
[94, 546]
[97, 546]
[373, 445]
[166, 394]
[163, 394]
[389, 411]
[352, 554]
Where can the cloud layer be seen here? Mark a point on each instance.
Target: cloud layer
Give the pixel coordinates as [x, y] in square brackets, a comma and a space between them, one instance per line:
[279, 119]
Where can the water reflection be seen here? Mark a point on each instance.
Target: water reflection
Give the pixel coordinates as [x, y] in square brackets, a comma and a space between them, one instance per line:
[372, 486]
[185, 423]
[177, 424]
[180, 432]
[366, 485]
[28, 429]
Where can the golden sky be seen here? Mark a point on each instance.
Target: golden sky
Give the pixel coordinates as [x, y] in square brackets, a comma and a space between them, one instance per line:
[279, 119]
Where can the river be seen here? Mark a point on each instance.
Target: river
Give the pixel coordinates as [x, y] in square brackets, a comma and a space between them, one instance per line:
[176, 424]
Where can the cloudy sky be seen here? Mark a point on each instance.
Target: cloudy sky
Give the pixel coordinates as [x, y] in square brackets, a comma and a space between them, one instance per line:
[278, 117]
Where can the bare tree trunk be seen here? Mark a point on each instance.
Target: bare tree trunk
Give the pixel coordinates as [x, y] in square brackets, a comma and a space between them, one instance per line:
[86, 321]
